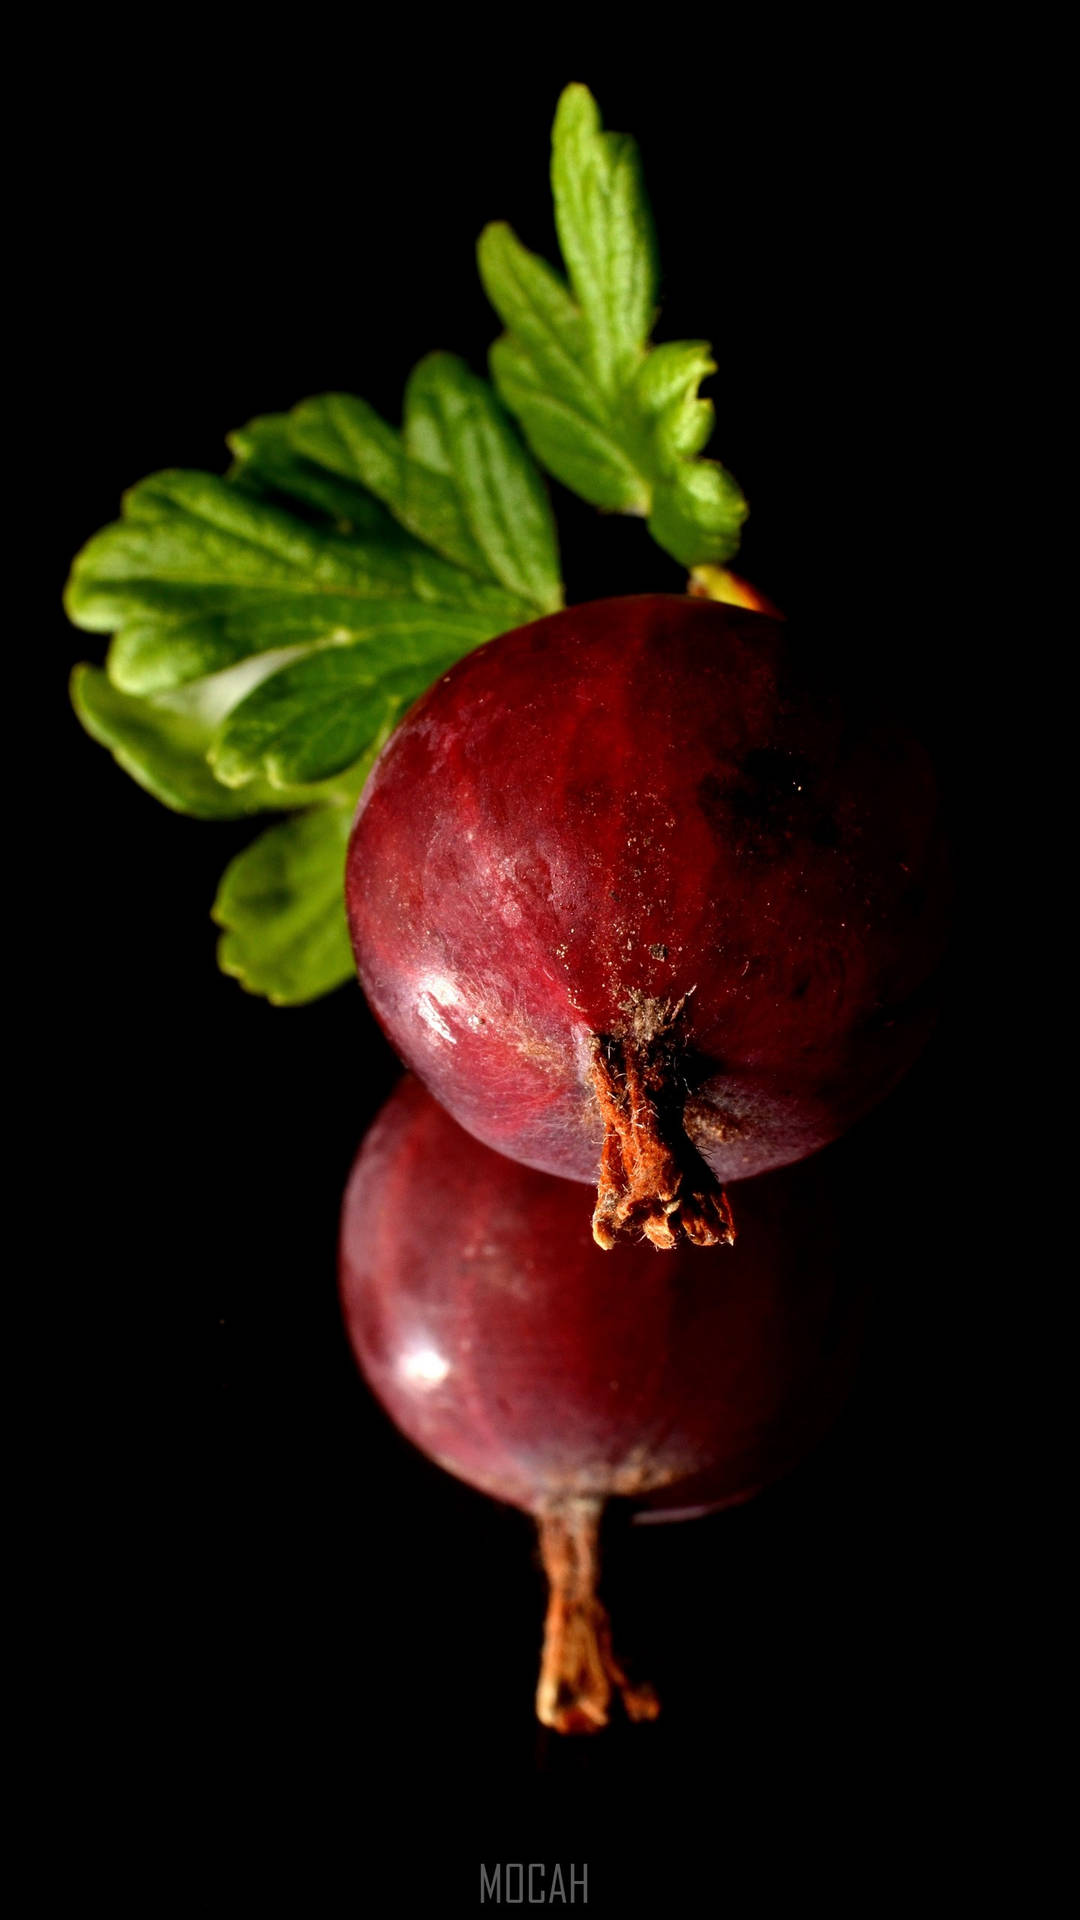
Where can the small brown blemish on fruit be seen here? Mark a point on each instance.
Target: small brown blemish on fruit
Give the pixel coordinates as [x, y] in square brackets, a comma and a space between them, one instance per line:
[540, 1053]
[658, 952]
[706, 1123]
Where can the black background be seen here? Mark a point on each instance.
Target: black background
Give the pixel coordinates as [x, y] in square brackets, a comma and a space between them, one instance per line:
[295, 1642]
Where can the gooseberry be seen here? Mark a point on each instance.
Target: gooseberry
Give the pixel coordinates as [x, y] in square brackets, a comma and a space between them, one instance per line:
[521, 1359]
[642, 900]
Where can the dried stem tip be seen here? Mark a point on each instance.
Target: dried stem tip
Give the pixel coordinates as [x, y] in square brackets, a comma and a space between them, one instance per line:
[652, 1180]
[579, 1674]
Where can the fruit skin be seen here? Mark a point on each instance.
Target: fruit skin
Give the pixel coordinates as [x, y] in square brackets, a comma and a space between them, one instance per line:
[544, 1372]
[630, 805]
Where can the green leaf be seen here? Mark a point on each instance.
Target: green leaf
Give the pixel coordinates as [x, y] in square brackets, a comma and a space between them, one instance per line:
[269, 628]
[282, 909]
[454, 424]
[348, 437]
[164, 750]
[665, 391]
[542, 319]
[199, 575]
[584, 454]
[456, 476]
[267, 463]
[606, 235]
[615, 419]
[163, 742]
[316, 716]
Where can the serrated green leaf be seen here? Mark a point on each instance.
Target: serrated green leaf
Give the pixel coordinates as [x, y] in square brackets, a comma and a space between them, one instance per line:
[456, 476]
[617, 420]
[585, 456]
[606, 236]
[282, 909]
[266, 462]
[317, 715]
[163, 750]
[665, 392]
[199, 575]
[698, 509]
[268, 629]
[163, 743]
[347, 436]
[540, 315]
[452, 418]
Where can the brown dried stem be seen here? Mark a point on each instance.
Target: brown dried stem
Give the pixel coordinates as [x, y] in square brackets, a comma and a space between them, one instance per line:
[579, 1674]
[652, 1180]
